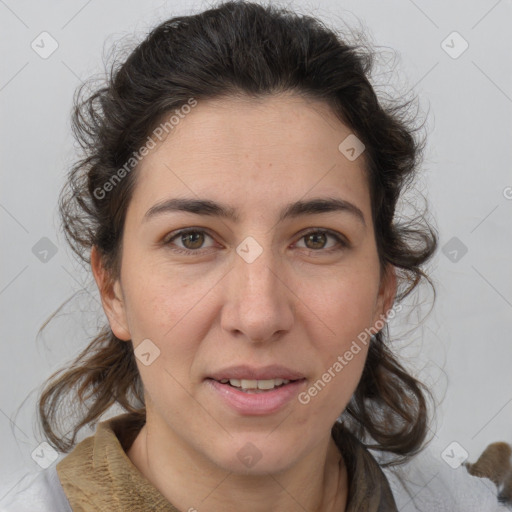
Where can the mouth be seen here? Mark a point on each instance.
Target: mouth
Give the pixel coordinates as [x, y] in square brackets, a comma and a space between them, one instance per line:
[255, 397]
[255, 391]
[253, 386]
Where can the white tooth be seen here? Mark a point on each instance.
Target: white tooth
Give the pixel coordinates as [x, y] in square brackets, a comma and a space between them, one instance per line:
[256, 384]
[224, 381]
[267, 384]
[249, 384]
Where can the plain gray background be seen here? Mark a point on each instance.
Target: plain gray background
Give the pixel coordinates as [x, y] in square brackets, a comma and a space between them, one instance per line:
[463, 349]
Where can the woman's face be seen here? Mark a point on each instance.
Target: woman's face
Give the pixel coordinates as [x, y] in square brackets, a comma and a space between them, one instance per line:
[251, 293]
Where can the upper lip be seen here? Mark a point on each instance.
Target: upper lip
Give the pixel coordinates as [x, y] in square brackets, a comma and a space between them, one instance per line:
[274, 371]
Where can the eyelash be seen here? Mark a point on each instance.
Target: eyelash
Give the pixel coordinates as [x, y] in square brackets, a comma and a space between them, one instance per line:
[342, 243]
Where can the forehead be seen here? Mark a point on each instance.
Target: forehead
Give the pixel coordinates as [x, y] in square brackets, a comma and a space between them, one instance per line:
[244, 150]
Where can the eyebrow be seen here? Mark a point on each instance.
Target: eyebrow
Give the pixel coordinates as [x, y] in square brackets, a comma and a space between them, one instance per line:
[292, 210]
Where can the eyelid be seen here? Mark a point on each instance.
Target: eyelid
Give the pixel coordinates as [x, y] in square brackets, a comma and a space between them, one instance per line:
[177, 232]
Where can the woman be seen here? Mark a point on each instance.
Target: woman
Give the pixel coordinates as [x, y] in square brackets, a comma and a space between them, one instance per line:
[236, 204]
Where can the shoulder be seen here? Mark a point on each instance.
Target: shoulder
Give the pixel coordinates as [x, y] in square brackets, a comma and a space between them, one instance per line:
[36, 491]
[427, 483]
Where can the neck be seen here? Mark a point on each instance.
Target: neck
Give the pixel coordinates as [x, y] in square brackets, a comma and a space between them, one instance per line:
[318, 482]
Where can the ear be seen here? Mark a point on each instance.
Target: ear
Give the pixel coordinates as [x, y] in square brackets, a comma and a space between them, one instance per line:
[387, 293]
[111, 297]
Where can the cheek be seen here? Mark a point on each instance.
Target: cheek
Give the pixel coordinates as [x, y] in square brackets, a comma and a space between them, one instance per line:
[341, 306]
[174, 312]
[160, 300]
[336, 313]
[165, 308]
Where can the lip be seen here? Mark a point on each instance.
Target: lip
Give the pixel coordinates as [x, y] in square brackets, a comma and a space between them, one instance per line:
[256, 404]
[274, 371]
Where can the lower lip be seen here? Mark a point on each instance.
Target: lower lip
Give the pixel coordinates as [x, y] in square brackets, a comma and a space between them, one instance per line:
[256, 404]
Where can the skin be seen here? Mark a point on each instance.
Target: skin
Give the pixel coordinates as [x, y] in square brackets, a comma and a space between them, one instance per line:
[301, 303]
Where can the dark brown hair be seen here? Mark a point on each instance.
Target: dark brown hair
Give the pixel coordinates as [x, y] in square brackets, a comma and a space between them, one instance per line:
[244, 49]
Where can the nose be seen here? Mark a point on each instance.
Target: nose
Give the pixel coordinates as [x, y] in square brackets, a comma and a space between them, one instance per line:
[259, 305]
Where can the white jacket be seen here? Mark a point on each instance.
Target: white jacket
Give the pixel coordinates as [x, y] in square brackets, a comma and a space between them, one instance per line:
[37, 491]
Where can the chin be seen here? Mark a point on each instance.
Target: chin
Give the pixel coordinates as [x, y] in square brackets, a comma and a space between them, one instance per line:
[256, 456]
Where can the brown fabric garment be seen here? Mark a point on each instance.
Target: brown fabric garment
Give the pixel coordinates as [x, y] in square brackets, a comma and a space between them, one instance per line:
[98, 475]
[369, 490]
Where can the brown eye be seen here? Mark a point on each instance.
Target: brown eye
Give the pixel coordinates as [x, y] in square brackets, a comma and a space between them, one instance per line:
[192, 239]
[316, 240]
